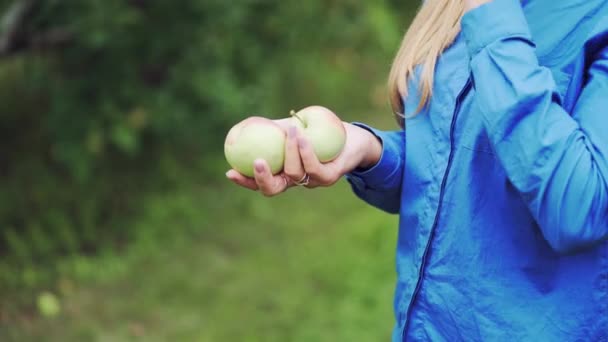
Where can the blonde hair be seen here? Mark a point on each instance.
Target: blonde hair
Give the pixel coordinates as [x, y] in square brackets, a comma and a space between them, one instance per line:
[433, 30]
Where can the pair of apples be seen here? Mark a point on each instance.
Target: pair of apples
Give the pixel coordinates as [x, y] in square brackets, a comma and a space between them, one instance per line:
[260, 138]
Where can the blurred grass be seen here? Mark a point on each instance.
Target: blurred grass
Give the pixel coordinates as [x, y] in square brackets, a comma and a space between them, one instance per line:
[123, 214]
[219, 263]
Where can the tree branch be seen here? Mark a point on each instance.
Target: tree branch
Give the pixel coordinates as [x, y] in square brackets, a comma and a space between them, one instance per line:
[49, 39]
[13, 23]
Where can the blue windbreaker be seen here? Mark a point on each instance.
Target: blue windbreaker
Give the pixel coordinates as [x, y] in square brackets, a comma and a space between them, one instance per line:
[501, 183]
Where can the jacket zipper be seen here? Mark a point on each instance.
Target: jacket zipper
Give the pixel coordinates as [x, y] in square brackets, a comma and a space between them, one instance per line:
[427, 248]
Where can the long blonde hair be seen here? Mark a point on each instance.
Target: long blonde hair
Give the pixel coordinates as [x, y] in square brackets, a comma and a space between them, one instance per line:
[433, 30]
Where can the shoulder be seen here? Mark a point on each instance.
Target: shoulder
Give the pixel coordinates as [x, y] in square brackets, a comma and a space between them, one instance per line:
[568, 34]
[562, 29]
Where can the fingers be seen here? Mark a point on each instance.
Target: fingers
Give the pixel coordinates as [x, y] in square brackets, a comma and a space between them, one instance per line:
[293, 167]
[241, 180]
[264, 181]
[300, 162]
[284, 123]
[319, 173]
[268, 184]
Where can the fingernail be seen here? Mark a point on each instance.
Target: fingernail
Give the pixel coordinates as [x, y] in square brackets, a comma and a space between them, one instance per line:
[228, 174]
[302, 143]
[259, 167]
[291, 132]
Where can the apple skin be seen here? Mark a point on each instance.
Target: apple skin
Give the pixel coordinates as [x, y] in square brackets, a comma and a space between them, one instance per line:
[323, 129]
[255, 138]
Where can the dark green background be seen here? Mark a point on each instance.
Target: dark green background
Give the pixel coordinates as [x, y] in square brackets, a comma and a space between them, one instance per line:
[112, 192]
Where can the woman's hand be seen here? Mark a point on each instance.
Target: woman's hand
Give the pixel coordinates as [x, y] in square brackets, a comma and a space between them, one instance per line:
[472, 4]
[361, 150]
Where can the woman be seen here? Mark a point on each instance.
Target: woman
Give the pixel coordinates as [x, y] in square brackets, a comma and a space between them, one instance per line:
[501, 177]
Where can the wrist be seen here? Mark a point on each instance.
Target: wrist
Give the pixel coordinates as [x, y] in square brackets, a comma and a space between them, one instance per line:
[372, 149]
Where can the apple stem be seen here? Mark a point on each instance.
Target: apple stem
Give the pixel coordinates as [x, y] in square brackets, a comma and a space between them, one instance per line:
[295, 115]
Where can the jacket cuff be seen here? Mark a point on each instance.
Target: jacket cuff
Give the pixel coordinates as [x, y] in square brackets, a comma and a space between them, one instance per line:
[493, 21]
[382, 175]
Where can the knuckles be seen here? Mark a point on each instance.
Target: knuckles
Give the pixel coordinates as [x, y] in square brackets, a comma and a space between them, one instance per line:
[269, 194]
[278, 188]
[293, 175]
[315, 172]
[333, 179]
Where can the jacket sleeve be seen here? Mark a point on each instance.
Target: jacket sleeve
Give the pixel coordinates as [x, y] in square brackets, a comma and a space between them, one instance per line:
[557, 160]
[380, 185]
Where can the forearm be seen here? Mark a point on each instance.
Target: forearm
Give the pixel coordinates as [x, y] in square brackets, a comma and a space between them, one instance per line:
[372, 148]
[378, 181]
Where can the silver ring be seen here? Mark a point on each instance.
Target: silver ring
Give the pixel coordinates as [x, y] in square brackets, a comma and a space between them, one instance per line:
[304, 181]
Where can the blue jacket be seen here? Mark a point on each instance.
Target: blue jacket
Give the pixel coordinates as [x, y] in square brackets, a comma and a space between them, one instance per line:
[501, 183]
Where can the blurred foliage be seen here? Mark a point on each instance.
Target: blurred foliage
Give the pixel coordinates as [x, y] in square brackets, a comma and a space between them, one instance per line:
[306, 266]
[103, 102]
[115, 220]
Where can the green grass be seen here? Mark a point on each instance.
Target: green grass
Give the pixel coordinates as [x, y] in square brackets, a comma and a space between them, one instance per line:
[213, 262]
[217, 263]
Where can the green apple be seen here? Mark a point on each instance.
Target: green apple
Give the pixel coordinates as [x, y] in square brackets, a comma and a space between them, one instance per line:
[323, 129]
[255, 138]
